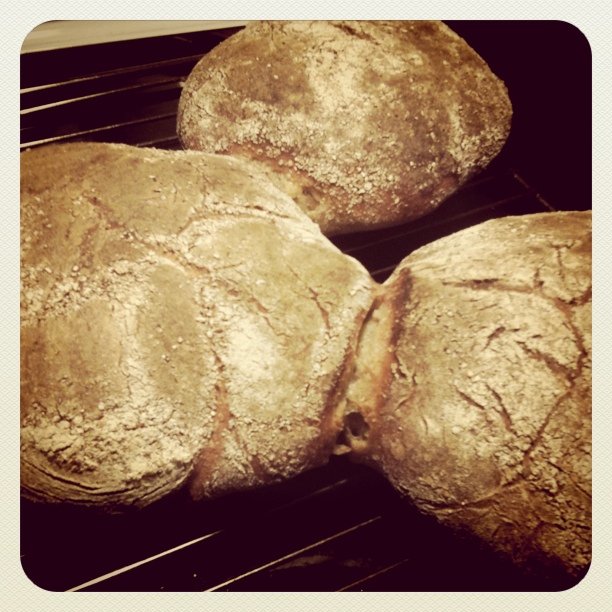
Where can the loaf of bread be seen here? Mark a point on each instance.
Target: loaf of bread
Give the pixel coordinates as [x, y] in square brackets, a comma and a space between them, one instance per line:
[481, 410]
[183, 323]
[365, 124]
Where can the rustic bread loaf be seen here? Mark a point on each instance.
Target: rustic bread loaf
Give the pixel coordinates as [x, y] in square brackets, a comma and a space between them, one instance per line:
[481, 412]
[365, 124]
[182, 322]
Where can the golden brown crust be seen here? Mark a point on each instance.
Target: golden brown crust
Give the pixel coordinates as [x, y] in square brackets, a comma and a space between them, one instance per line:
[181, 320]
[372, 371]
[364, 123]
[486, 422]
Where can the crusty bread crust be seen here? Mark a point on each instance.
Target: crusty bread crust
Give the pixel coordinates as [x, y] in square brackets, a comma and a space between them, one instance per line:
[484, 415]
[365, 124]
[181, 320]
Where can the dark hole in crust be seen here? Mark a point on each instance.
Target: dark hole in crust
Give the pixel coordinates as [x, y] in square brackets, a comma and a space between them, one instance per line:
[354, 435]
[356, 426]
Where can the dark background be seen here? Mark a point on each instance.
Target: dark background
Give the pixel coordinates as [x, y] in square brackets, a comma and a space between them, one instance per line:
[546, 66]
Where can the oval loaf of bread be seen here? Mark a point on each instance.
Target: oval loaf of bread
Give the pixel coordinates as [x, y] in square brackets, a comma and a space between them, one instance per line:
[365, 124]
[481, 411]
[182, 321]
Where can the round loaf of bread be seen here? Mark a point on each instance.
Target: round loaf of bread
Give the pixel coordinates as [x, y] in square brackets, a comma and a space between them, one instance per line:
[481, 412]
[365, 124]
[182, 321]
